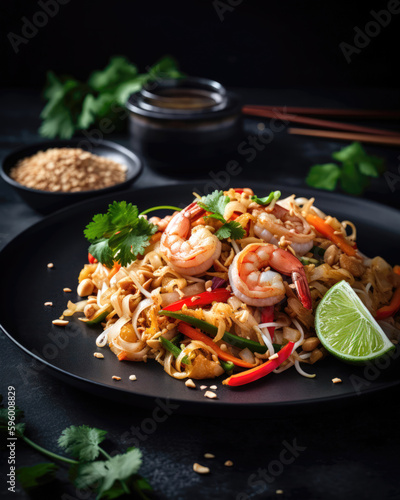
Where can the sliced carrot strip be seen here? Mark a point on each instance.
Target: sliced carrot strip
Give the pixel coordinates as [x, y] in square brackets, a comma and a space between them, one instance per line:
[326, 230]
[194, 334]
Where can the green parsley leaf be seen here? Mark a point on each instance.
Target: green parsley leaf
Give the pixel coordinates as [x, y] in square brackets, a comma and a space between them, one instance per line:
[100, 226]
[119, 235]
[122, 214]
[273, 195]
[357, 166]
[368, 168]
[352, 180]
[66, 97]
[223, 232]
[232, 230]
[36, 475]
[106, 473]
[102, 252]
[354, 152]
[82, 442]
[73, 105]
[324, 176]
[118, 70]
[216, 203]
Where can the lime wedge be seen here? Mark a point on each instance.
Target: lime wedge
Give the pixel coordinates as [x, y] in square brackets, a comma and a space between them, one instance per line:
[347, 329]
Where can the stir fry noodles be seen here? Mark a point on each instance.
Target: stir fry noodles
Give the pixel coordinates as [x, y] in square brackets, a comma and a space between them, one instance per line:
[227, 284]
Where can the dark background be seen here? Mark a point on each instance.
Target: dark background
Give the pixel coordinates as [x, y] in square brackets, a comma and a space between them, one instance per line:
[257, 44]
[290, 51]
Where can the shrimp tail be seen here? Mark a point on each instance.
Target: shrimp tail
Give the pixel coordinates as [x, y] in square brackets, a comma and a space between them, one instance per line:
[300, 281]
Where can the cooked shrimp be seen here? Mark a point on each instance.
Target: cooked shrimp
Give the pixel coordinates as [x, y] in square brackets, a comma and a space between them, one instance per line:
[161, 223]
[271, 225]
[189, 250]
[255, 284]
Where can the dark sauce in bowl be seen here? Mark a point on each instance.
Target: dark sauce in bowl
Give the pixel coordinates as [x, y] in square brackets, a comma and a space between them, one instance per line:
[183, 122]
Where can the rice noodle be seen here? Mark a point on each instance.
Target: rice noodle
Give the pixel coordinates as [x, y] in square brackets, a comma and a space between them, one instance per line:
[100, 293]
[133, 277]
[233, 206]
[116, 303]
[126, 310]
[112, 331]
[144, 304]
[193, 279]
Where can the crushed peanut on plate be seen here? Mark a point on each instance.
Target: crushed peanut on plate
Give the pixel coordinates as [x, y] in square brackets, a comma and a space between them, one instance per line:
[60, 322]
[189, 383]
[200, 469]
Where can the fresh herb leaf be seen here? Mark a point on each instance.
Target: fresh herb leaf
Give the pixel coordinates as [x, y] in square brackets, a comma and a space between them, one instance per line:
[273, 195]
[130, 243]
[82, 442]
[352, 180]
[122, 214]
[354, 173]
[107, 473]
[223, 232]
[100, 226]
[73, 105]
[60, 115]
[368, 168]
[324, 176]
[119, 235]
[112, 478]
[216, 203]
[230, 229]
[118, 71]
[36, 475]
[102, 252]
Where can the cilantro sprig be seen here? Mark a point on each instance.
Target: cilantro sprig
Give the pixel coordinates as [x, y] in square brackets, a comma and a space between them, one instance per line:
[216, 203]
[110, 478]
[119, 235]
[74, 105]
[354, 173]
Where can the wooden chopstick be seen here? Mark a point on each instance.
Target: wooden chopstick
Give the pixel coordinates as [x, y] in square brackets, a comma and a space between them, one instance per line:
[350, 113]
[269, 113]
[331, 134]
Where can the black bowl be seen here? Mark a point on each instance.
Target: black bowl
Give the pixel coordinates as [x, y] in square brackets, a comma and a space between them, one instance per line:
[48, 201]
[191, 120]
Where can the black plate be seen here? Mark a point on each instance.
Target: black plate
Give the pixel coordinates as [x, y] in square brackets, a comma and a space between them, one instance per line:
[69, 350]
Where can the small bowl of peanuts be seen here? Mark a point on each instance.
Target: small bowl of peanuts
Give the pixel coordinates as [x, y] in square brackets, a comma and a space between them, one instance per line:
[53, 174]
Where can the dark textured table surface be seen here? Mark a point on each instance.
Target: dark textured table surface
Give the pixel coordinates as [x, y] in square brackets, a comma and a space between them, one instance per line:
[346, 450]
